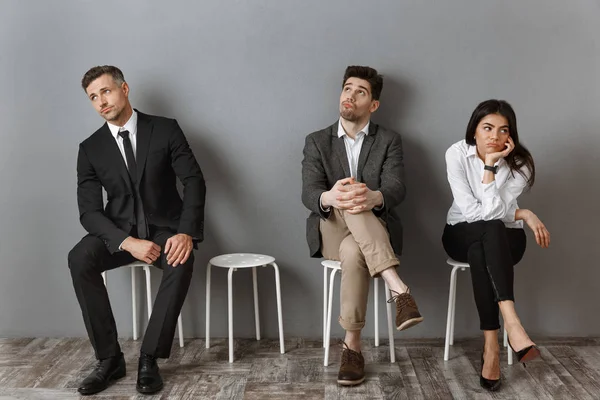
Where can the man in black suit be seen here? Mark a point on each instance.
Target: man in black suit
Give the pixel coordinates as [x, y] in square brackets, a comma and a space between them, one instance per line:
[137, 159]
[353, 184]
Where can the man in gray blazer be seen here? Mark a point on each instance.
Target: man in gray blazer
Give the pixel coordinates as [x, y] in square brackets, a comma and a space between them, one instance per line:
[353, 183]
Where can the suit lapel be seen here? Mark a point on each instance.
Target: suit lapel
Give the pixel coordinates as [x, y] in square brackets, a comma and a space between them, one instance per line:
[339, 149]
[112, 150]
[365, 149]
[144, 134]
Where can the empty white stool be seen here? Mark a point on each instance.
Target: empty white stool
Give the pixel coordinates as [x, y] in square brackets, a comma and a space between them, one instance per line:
[452, 311]
[234, 262]
[335, 266]
[146, 268]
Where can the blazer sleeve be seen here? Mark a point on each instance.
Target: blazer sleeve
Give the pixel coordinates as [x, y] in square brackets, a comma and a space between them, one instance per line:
[189, 173]
[392, 185]
[314, 178]
[91, 206]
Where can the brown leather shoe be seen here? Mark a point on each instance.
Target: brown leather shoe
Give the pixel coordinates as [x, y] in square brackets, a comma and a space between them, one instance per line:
[352, 368]
[407, 313]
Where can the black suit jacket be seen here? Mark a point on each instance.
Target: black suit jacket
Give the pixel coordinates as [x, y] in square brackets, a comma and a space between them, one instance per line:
[162, 155]
[380, 167]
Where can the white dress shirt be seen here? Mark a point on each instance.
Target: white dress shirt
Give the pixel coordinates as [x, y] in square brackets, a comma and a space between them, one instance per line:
[131, 126]
[353, 146]
[477, 201]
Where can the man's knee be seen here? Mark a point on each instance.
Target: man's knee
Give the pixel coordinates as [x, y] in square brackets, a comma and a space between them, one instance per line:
[351, 254]
[85, 254]
[182, 271]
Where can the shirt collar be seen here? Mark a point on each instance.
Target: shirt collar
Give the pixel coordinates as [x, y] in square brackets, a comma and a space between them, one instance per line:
[341, 132]
[130, 125]
[472, 150]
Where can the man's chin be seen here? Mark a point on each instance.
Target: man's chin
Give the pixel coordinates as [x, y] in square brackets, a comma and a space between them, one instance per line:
[110, 116]
[348, 116]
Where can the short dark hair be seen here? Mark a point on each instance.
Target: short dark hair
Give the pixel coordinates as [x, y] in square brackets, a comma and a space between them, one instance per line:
[517, 158]
[96, 72]
[368, 74]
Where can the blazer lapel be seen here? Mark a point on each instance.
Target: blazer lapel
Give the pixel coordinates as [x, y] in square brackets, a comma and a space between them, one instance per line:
[113, 153]
[144, 134]
[339, 149]
[365, 149]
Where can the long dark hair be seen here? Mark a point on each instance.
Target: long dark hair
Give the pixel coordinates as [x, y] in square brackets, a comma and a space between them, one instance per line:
[517, 158]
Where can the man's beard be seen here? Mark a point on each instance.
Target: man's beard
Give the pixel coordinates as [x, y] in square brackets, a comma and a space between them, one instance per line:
[348, 115]
[113, 115]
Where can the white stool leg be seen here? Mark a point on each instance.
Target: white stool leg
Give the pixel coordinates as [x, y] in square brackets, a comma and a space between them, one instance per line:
[329, 305]
[508, 349]
[279, 312]
[256, 316]
[324, 304]
[230, 311]
[376, 309]
[454, 306]
[180, 329]
[450, 312]
[391, 324]
[207, 324]
[148, 290]
[134, 304]
[104, 277]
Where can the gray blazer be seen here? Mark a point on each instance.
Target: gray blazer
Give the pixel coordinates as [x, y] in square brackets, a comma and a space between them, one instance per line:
[380, 167]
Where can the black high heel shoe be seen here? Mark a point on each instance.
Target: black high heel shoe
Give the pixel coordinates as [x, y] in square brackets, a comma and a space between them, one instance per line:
[489, 384]
[527, 354]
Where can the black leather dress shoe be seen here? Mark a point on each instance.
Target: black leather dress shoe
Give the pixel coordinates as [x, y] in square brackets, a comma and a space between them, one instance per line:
[149, 380]
[106, 370]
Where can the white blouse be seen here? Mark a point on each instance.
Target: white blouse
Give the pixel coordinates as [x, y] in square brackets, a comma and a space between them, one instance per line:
[477, 201]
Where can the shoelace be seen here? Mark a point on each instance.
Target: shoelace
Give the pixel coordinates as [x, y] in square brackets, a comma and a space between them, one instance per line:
[350, 357]
[401, 300]
[101, 366]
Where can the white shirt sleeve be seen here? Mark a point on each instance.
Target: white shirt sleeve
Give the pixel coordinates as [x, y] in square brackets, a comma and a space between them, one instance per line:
[321, 204]
[496, 203]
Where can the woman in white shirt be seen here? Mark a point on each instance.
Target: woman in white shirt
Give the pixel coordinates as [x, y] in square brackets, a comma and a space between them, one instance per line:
[487, 172]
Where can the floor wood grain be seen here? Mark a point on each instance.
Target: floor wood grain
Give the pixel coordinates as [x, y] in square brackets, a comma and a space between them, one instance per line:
[52, 368]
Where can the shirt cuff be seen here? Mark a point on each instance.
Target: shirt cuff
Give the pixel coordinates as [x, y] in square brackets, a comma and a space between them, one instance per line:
[321, 204]
[120, 248]
[510, 213]
[382, 206]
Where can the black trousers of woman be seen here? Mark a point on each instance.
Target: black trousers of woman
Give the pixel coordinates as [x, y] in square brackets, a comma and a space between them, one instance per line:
[492, 250]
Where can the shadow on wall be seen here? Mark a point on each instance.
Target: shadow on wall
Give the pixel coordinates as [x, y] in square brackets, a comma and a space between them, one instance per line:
[225, 194]
[545, 274]
[424, 212]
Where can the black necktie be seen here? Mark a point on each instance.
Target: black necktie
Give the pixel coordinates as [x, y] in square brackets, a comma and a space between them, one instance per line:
[131, 165]
[142, 225]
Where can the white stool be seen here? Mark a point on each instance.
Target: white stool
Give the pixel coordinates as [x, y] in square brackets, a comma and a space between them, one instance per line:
[233, 262]
[335, 266]
[452, 311]
[146, 267]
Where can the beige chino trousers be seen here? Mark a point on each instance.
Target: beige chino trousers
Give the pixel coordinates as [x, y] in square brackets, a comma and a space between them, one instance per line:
[361, 242]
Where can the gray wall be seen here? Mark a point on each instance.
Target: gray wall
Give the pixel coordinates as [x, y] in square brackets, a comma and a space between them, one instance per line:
[247, 81]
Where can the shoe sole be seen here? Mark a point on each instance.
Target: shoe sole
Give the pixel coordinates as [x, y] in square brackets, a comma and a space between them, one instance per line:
[149, 391]
[113, 378]
[532, 354]
[344, 382]
[409, 323]
[493, 388]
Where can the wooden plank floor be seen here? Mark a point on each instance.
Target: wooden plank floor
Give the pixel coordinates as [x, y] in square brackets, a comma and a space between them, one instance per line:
[52, 369]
